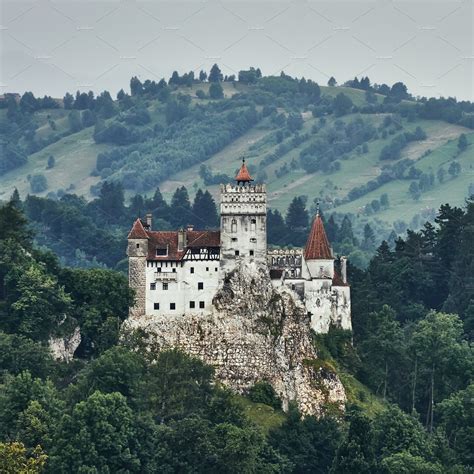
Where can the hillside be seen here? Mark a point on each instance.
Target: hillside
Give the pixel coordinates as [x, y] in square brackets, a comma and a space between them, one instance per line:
[323, 155]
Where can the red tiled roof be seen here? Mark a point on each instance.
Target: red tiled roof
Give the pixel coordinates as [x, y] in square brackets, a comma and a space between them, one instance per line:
[317, 246]
[243, 174]
[138, 231]
[169, 240]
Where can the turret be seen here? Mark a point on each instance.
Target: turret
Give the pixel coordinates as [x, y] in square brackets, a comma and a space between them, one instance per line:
[243, 222]
[137, 251]
[318, 253]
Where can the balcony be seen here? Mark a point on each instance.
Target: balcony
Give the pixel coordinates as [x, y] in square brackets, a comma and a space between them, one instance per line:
[166, 276]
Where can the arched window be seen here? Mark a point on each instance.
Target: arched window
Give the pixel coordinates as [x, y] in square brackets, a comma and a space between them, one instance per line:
[253, 224]
[233, 227]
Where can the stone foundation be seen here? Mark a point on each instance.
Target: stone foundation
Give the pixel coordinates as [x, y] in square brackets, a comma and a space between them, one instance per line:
[255, 333]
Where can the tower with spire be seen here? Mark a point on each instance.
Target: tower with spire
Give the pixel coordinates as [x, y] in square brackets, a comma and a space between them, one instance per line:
[243, 212]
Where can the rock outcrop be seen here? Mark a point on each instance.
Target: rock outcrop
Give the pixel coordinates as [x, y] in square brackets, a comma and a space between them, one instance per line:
[63, 347]
[255, 333]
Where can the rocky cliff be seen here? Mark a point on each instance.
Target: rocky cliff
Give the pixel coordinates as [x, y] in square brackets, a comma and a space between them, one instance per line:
[255, 333]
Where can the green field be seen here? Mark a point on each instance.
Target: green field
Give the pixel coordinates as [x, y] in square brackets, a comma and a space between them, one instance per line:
[76, 154]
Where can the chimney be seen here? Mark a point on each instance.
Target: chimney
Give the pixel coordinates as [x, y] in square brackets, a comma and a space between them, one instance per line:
[149, 220]
[344, 269]
[181, 240]
[190, 227]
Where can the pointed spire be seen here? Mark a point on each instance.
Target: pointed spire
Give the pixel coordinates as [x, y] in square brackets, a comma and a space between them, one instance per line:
[317, 246]
[138, 231]
[243, 176]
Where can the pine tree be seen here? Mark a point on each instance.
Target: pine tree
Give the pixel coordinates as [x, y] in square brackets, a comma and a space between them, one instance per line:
[215, 74]
[180, 207]
[277, 230]
[204, 210]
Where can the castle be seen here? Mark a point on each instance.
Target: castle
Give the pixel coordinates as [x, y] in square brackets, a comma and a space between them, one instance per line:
[179, 272]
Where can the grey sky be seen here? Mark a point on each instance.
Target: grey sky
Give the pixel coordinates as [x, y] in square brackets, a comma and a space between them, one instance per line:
[51, 47]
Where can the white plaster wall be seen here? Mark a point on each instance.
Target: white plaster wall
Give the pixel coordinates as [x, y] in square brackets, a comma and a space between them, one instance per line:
[318, 269]
[341, 316]
[319, 302]
[243, 226]
[184, 289]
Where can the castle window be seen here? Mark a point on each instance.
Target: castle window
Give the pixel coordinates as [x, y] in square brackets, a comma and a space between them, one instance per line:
[215, 269]
[138, 246]
[192, 304]
[162, 252]
[191, 270]
[207, 269]
[251, 253]
[233, 227]
[200, 285]
[152, 286]
[237, 253]
[156, 306]
[165, 286]
[172, 305]
[201, 304]
[234, 239]
[174, 270]
[253, 240]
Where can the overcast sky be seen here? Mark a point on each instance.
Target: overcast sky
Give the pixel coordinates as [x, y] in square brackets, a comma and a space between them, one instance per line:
[51, 47]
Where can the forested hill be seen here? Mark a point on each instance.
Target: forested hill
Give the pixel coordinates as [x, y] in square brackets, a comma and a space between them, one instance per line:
[407, 371]
[370, 151]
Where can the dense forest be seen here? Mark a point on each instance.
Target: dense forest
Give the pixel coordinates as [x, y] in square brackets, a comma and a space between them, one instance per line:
[407, 367]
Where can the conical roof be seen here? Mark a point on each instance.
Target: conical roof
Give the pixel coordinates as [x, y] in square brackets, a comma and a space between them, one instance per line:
[138, 231]
[317, 245]
[243, 175]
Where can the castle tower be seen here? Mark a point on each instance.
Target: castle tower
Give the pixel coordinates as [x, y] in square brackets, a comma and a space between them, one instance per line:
[326, 293]
[137, 252]
[243, 222]
[318, 253]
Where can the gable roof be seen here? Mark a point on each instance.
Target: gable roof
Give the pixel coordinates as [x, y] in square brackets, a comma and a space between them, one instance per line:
[317, 245]
[243, 175]
[169, 240]
[137, 231]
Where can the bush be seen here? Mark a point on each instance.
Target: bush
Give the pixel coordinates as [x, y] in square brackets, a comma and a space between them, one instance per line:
[38, 183]
[263, 392]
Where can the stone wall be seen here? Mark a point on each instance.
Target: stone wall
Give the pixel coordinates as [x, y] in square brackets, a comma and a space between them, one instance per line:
[256, 332]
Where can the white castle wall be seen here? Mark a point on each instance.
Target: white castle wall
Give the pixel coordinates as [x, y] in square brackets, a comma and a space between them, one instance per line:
[178, 283]
[243, 212]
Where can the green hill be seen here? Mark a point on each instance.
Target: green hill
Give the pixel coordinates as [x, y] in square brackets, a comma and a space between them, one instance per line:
[169, 153]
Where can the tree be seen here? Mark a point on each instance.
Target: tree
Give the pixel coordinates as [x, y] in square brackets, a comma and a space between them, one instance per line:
[99, 435]
[180, 207]
[310, 443]
[384, 201]
[342, 104]
[441, 174]
[332, 82]
[438, 346]
[356, 452]
[15, 459]
[202, 76]
[216, 91]
[462, 142]
[38, 303]
[204, 210]
[51, 162]
[454, 169]
[215, 74]
[136, 87]
[294, 122]
[75, 122]
[456, 417]
[369, 237]
[406, 463]
[68, 101]
[297, 215]
[38, 183]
